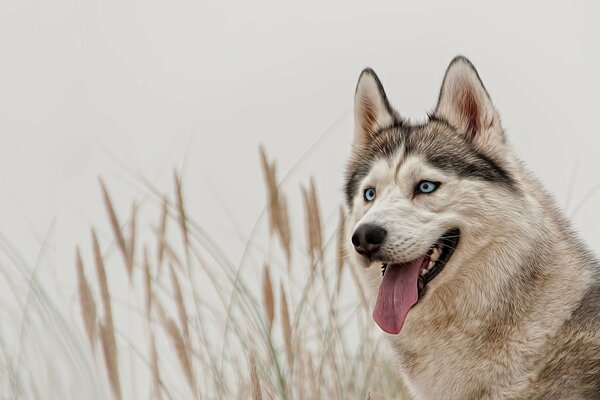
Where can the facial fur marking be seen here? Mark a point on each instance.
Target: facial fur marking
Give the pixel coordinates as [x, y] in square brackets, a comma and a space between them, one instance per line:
[398, 165]
[481, 167]
[383, 146]
[447, 149]
[438, 142]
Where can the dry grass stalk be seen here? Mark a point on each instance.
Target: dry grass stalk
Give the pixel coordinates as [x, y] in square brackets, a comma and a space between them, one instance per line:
[286, 326]
[110, 358]
[181, 312]
[156, 305]
[182, 353]
[284, 229]
[88, 306]
[114, 222]
[307, 213]
[132, 236]
[310, 238]
[272, 192]
[278, 213]
[314, 235]
[156, 393]
[302, 381]
[256, 390]
[107, 330]
[312, 378]
[173, 256]
[268, 298]
[316, 217]
[181, 213]
[147, 283]
[154, 371]
[167, 250]
[181, 350]
[306, 374]
[341, 249]
[101, 275]
[162, 229]
[359, 285]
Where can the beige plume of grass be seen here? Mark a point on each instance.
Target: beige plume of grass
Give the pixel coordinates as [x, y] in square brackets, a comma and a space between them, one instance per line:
[161, 232]
[310, 241]
[147, 283]
[320, 361]
[88, 306]
[256, 390]
[181, 214]
[181, 350]
[272, 192]
[277, 205]
[340, 249]
[180, 305]
[313, 222]
[268, 298]
[107, 330]
[284, 229]
[132, 235]
[116, 227]
[101, 276]
[286, 326]
[316, 216]
[182, 353]
[154, 371]
[110, 358]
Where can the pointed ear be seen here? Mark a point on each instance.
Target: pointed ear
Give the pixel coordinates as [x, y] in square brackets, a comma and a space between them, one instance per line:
[372, 111]
[466, 105]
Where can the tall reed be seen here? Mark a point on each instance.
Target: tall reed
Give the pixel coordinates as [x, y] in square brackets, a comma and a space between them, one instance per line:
[215, 328]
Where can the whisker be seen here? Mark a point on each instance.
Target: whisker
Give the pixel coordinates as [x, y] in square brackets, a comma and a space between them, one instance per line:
[447, 246]
[451, 236]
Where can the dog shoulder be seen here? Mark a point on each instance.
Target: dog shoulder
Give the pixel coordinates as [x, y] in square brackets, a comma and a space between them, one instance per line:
[571, 359]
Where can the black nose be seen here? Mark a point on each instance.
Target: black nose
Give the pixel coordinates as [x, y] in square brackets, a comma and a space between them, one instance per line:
[367, 239]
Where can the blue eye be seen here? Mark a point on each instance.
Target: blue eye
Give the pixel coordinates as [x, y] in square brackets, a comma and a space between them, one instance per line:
[427, 187]
[369, 194]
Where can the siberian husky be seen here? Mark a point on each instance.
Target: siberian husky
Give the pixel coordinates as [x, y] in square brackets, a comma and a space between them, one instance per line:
[478, 279]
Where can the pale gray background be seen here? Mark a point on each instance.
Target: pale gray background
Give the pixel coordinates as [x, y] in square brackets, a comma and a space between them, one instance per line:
[98, 88]
[83, 84]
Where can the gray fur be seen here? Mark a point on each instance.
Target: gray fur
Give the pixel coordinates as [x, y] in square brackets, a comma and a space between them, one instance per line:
[515, 314]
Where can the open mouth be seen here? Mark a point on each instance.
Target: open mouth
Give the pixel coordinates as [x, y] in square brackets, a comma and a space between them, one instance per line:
[404, 284]
[434, 261]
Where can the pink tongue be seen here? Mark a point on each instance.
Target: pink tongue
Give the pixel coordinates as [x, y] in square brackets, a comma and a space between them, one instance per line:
[397, 294]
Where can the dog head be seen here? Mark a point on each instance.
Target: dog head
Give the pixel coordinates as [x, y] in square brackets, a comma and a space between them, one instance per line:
[423, 198]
